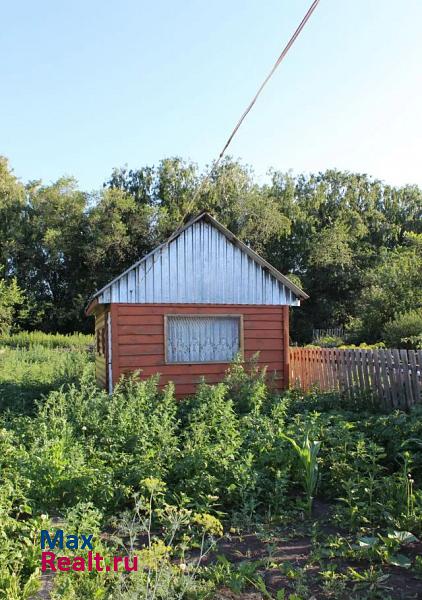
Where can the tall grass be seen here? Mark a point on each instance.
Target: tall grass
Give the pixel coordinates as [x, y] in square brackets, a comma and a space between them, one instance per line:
[29, 371]
[26, 339]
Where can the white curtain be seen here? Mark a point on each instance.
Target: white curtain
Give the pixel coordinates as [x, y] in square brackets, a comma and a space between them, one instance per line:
[202, 339]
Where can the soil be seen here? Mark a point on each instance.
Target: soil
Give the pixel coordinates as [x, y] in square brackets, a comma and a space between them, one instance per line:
[291, 547]
[400, 585]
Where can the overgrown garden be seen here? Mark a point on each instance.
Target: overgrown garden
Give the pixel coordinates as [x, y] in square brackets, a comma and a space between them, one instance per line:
[236, 491]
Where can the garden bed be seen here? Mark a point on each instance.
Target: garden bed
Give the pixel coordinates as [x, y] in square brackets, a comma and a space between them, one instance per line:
[294, 497]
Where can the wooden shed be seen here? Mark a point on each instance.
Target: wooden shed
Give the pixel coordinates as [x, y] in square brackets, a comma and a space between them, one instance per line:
[188, 308]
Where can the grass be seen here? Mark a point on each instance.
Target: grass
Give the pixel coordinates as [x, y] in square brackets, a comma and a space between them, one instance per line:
[29, 339]
[31, 365]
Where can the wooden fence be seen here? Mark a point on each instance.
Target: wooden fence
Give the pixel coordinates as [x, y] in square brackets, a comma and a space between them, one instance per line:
[317, 334]
[394, 376]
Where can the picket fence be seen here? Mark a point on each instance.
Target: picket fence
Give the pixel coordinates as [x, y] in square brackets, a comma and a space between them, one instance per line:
[317, 334]
[392, 376]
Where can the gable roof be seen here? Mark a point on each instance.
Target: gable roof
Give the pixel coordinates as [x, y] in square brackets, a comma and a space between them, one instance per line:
[127, 286]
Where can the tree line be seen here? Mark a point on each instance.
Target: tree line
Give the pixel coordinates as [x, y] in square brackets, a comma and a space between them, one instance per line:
[353, 243]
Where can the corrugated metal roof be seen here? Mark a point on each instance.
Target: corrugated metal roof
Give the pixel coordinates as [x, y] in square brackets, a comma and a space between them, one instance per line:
[202, 263]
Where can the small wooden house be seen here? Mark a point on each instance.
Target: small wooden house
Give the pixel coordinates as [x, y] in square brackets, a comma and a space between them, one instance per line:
[188, 308]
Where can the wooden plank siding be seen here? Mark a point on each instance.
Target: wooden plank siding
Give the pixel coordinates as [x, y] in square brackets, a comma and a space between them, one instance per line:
[138, 342]
[101, 353]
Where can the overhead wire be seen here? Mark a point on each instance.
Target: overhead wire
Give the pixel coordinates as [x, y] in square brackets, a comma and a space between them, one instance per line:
[247, 110]
[191, 203]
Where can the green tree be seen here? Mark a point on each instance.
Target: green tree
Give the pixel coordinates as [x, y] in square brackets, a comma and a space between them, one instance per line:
[343, 235]
[138, 183]
[12, 203]
[245, 208]
[12, 301]
[50, 264]
[393, 287]
[342, 224]
[178, 191]
[405, 330]
[121, 231]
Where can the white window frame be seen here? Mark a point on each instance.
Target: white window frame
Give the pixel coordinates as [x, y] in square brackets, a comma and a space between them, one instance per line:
[239, 317]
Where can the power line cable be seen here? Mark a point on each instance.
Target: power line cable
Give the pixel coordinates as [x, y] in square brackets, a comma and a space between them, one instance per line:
[254, 99]
[268, 77]
[191, 203]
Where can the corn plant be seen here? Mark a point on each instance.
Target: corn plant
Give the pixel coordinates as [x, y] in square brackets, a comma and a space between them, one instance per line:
[308, 457]
[408, 481]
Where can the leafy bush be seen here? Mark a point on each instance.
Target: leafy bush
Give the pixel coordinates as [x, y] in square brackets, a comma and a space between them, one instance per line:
[392, 287]
[364, 346]
[405, 331]
[247, 386]
[341, 345]
[330, 341]
[19, 551]
[86, 445]
[210, 442]
[224, 449]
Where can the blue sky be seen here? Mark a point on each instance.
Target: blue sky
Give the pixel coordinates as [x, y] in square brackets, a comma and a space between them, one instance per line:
[90, 85]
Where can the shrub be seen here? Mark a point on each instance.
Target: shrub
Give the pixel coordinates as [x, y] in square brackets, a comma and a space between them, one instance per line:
[405, 330]
[247, 386]
[225, 451]
[138, 432]
[209, 445]
[330, 341]
[261, 474]
[89, 446]
[19, 551]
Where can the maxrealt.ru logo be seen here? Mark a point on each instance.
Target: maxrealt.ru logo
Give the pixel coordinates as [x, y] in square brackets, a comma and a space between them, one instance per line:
[89, 562]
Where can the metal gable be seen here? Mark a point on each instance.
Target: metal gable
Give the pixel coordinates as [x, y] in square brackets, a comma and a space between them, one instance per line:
[202, 263]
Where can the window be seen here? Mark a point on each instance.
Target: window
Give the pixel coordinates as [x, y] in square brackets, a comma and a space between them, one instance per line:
[202, 338]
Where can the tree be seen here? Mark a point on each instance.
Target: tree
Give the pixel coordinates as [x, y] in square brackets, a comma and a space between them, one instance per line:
[137, 183]
[11, 306]
[351, 240]
[405, 330]
[50, 264]
[120, 232]
[342, 223]
[12, 203]
[242, 206]
[392, 288]
[178, 192]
